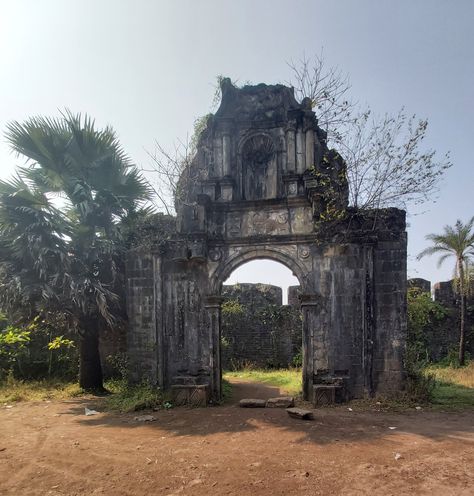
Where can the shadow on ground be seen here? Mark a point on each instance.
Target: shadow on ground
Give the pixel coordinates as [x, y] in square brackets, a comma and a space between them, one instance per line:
[330, 425]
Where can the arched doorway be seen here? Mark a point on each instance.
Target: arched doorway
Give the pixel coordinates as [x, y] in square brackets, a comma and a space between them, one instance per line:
[261, 331]
[297, 260]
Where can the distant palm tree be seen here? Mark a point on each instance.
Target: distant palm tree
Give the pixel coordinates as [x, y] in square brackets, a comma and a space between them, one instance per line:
[67, 256]
[456, 241]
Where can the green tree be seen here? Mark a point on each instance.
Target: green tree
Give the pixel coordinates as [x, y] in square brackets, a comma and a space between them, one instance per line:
[61, 247]
[456, 241]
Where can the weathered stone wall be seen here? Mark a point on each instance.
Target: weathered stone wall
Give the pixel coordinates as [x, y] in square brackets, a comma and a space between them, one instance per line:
[444, 293]
[443, 337]
[387, 319]
[141, 310]
[257, 329]
[418, 282]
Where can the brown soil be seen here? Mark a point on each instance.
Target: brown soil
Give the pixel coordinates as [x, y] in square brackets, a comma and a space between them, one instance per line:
[54, 449]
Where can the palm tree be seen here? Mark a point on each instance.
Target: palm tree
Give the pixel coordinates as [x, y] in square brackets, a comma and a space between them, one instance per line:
[66, 255]
[455, 241]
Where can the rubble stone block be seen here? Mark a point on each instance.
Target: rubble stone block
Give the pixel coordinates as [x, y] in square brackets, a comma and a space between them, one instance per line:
[252, 403]
[300, 413]
[281, 402]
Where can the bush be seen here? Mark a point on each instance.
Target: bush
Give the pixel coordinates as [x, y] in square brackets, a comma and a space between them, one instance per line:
[132, 397]
[420, 385]
[422, 314]
[35, 350]
[297, 360]
[452, 359]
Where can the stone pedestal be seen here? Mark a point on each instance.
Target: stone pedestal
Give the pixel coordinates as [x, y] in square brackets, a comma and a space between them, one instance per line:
[194, 395]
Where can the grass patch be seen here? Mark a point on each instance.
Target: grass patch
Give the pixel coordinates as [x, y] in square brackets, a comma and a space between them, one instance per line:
[13, 390]
[288, 380]
[461, 376]
[130, 398]
[452, 396]
[454, 386]
[123, 397]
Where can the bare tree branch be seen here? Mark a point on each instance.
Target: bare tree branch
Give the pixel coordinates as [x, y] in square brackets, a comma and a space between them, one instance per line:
[386, 162]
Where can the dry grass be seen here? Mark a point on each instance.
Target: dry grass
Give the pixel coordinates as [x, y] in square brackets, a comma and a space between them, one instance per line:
[13, 390]
[461, 376]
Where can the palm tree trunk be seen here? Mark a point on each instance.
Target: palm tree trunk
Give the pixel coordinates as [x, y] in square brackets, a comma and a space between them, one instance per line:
[90, 368]
[462, 320]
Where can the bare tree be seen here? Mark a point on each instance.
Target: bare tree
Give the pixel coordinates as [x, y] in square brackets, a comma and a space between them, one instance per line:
[386, 163]
[328, 89]
[171, 170]
[167, 167]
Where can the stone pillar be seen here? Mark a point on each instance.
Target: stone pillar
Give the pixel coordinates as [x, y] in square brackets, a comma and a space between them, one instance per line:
[213, 308]
[158, 282]
[300, 152]
[309, 148]
[291, 150]
[226, 169]
[314, 345]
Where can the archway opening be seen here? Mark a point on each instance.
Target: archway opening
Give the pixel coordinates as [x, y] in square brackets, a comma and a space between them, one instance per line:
[261, 328]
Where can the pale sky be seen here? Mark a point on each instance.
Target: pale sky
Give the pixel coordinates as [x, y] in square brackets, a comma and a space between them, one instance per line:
[148, 68]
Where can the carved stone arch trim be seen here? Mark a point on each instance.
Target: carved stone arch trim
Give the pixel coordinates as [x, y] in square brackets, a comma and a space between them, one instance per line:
[229, 264]
[254, 133]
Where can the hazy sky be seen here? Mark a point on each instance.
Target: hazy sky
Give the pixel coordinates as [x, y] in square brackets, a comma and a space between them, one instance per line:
[148, 68]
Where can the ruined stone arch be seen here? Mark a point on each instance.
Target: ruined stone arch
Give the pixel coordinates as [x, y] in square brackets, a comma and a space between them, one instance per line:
[352, 267]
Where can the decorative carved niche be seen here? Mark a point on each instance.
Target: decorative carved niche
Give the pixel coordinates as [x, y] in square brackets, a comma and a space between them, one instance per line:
[259, 168]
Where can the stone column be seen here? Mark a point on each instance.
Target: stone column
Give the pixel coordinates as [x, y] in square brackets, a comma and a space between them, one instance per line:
[314, 345]
[226, 170]
[309, 148]
[300, 152]
[213, 308]
[291, 150]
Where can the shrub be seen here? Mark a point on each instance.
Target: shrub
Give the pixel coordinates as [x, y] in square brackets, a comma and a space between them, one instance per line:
[132, 397]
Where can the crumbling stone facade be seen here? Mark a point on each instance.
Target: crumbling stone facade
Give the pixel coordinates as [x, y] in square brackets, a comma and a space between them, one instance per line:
[257, 329]
[264, 184]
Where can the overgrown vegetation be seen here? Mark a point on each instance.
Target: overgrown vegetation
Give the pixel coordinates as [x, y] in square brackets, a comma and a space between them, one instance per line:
[36, 350]
[130, 398]
[457, 242]
[66, 260]
[454, 386]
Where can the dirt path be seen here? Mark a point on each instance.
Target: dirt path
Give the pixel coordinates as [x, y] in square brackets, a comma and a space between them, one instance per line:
[247, 389]
[54, 449]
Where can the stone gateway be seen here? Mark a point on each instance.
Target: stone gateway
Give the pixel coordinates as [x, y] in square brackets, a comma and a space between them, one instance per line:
[263, 184]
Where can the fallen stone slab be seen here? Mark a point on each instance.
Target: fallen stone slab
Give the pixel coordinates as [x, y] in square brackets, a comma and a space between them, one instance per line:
[252, 403]
[145, 418]
[300, 413]
[281, 402]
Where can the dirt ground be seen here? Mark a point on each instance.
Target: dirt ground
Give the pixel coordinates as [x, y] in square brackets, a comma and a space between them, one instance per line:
[52, 448]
